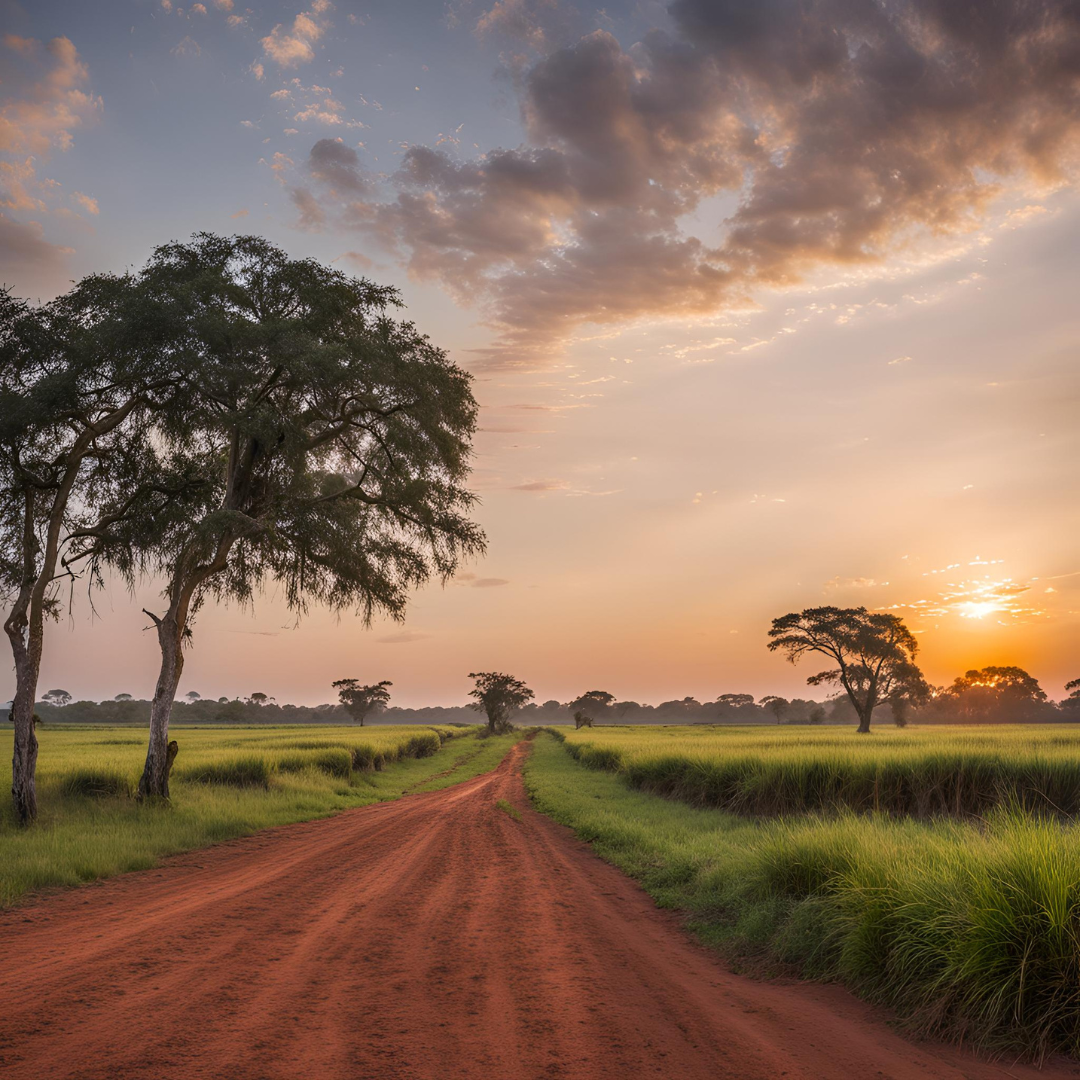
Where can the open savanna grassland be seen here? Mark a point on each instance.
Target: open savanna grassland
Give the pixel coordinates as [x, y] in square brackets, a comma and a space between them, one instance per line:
[920, 772]
[226, 782]
[967, 925]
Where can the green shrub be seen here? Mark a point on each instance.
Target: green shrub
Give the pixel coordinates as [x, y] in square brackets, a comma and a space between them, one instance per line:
[248, 771]
[96, 782]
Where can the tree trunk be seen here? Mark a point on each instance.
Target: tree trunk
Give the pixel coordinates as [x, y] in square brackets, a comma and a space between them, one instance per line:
[160, 753]
[26, 637]
[24, 758]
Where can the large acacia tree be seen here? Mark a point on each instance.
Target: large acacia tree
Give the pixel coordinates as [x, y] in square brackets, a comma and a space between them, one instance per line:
[873, 653]
[322, 443]
[80, 378]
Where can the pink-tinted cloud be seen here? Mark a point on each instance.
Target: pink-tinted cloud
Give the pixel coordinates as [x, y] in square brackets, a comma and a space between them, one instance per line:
[845, 129]
[295, 45]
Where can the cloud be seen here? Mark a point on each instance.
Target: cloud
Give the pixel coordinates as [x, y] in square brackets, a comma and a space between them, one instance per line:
[43, 101]
[294, 46]
[844, 131]
[239, 214]
[187, 46]
[359, 260]
[86, 202]
[27, 260]
[311, 217]
[402, 637]
[541, 485]
[489, 582]
[41, 109]
[338, 166]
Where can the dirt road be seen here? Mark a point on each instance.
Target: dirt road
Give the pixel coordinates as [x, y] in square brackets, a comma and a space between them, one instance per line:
[434, 938]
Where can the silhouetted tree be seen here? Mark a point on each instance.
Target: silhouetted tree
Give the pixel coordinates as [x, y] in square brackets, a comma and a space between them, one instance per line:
[996, 693]
[873, 652]
[735, 701]
[778, 706]
[57, 697]
[359, 700]
[331, 443]
[123, 697]
[595, 704]
[498, 696]
[193, 695]
[1072, 702]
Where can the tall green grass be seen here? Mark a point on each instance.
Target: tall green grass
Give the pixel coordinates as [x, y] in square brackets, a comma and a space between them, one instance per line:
[226, 782]
[969, 932]
[927, 772]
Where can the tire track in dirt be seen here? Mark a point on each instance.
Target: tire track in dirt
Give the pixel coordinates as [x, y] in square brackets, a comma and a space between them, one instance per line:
[432, 938]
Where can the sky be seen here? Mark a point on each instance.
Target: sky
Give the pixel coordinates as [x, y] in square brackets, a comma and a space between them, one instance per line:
[768, 306]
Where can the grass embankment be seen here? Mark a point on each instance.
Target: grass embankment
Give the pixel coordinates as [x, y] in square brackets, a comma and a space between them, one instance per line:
[924, 773]
[970, 933]
[227, 782]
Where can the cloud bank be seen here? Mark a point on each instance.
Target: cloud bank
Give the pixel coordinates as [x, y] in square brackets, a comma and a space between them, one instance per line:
[840, 131]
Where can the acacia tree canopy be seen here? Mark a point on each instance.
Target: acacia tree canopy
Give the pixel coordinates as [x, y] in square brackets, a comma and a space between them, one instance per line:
[498, 696]
[595, 704]
[360, 700]
[1000, 693]
[321, 443]
[874, 654]
[79, 378]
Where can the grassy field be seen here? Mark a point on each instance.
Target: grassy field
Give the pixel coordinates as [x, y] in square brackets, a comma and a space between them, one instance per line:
[970, 930]
[919, 772]
[226, 782]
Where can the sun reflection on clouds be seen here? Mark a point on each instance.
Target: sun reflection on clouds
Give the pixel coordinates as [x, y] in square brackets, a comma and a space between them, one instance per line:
[978, 598]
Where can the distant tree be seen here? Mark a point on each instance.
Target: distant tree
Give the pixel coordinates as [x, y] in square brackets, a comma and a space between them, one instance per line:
[551, 705]
[193, 695]
[874, 655]
[996, 693]
[57, 697]
[735, 701]
[816, 715]
[331, 444]
[498, 696]
[258, 699]
[778, 706]
[1072, 702]
[222, 700]
[123, 697]
[360, 701]
[595, 704]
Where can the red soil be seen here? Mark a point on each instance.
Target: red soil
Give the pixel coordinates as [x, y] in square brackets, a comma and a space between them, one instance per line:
[434, 937]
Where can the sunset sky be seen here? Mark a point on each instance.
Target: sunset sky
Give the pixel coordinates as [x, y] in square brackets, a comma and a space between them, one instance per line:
[769, 305]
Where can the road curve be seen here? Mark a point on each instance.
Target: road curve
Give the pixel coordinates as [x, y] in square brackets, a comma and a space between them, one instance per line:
[433, 938]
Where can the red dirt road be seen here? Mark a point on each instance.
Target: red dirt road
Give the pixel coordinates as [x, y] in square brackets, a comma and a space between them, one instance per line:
[434, 938]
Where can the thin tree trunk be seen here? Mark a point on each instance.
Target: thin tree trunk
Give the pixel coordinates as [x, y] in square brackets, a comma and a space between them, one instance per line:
[24, 757]
[160, 753]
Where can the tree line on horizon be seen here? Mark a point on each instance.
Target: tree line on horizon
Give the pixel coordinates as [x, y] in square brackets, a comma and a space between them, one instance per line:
[986, 695]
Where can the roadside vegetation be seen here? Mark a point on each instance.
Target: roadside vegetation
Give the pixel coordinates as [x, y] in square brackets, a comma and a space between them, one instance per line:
[925, 772]
[231, 782]
[970, 931]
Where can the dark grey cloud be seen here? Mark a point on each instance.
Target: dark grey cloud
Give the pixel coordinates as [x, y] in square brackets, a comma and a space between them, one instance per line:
[333, 163]
[843, 128]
